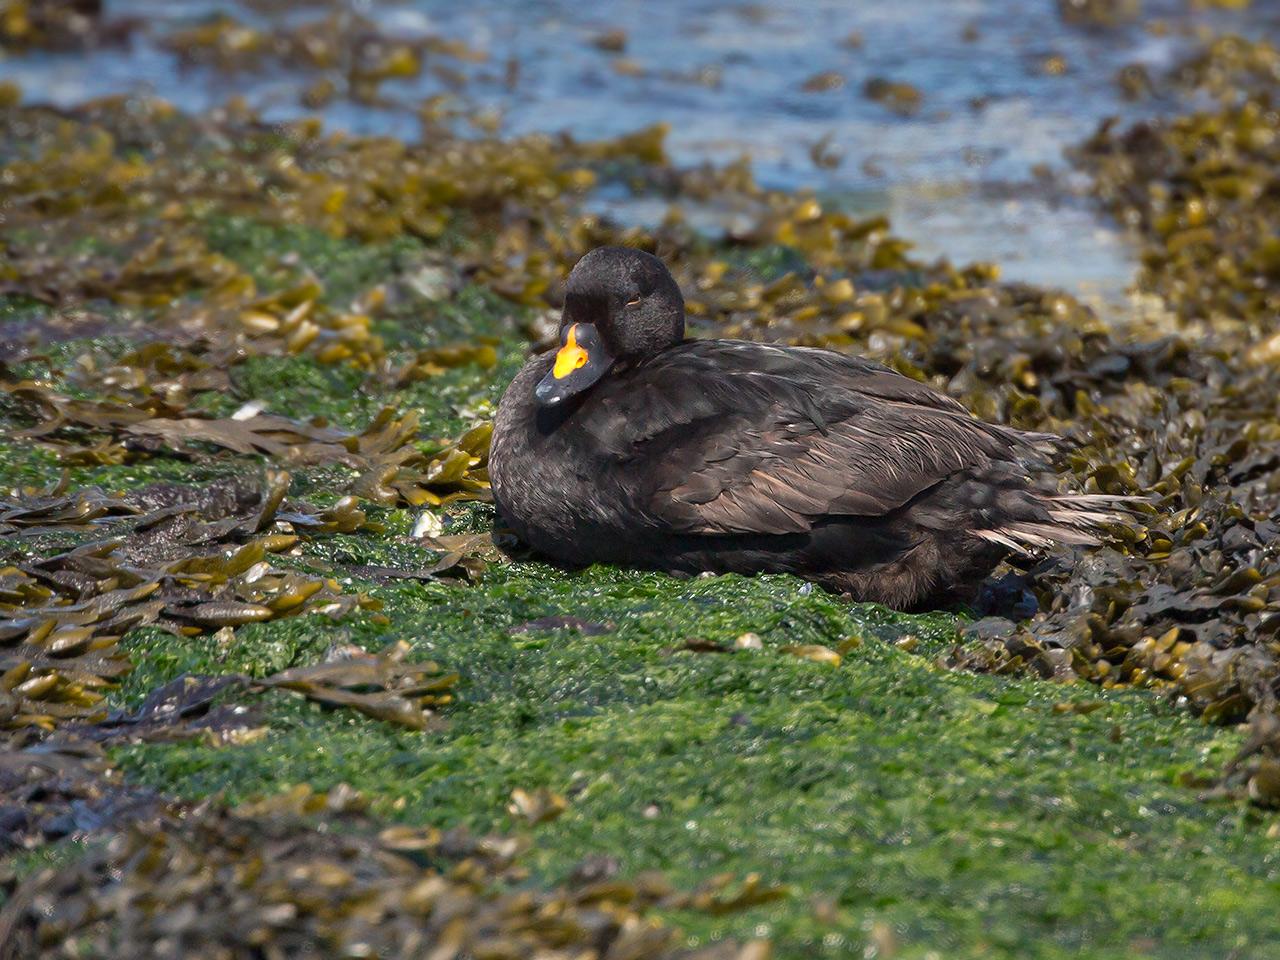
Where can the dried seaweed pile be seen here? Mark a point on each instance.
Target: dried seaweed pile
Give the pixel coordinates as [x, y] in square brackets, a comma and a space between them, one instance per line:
[1186, 413]
[266, 879]
[1179, 405]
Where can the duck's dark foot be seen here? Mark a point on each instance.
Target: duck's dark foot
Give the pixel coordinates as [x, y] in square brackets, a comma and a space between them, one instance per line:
[1008, 596]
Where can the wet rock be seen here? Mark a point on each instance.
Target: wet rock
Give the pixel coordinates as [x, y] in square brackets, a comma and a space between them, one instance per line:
[1099, 13]
[900, 97]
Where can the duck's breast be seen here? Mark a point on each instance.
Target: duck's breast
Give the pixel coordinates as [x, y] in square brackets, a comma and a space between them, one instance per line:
[553, 482]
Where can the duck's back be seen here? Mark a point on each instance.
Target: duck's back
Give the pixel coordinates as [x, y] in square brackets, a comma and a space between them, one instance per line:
[728, 455]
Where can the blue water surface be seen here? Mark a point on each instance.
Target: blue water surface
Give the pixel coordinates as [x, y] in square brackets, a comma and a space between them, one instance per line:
[963, 177]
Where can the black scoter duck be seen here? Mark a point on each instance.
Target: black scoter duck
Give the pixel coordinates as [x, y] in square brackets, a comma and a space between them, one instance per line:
[633, 446]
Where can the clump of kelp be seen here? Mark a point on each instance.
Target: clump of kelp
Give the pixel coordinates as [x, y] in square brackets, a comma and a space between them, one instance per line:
[1187, 414]
[347, 54]
[1199, 613]
[189, 560]
[59, 25]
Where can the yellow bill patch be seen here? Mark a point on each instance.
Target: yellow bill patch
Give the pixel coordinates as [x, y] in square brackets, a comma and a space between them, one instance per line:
[570, 357]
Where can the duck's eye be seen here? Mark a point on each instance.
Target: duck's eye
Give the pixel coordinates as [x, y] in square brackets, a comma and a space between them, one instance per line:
[632, 303]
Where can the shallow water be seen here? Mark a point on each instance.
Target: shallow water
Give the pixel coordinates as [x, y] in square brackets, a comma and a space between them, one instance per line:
[957, 177]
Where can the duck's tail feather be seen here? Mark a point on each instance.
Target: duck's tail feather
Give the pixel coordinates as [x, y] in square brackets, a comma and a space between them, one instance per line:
[1075, 519]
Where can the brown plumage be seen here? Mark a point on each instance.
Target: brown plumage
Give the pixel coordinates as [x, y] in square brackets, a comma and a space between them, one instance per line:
[635, 447]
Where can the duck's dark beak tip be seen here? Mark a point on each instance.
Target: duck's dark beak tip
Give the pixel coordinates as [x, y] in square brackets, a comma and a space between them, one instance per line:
[547, 395]
[581, 360]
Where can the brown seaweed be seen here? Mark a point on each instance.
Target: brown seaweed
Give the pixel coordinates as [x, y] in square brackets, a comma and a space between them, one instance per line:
[50, 790]
[392, 469]
[197, 562]
[383, 686]
[162, 885]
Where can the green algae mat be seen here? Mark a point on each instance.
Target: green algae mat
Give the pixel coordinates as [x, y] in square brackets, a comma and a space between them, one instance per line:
[270, 682]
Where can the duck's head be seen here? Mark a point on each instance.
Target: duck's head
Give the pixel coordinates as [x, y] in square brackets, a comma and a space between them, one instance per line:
[620, 305]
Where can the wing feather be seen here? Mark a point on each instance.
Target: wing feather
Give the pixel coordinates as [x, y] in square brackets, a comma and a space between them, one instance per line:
[753, 439]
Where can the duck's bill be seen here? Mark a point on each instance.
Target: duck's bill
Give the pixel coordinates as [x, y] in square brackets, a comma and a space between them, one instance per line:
[580, 362]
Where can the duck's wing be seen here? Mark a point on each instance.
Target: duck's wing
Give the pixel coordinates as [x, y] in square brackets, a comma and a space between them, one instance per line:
[743, 438]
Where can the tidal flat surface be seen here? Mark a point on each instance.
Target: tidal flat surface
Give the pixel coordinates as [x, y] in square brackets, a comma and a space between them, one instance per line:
[1003, 87]
[205, 312]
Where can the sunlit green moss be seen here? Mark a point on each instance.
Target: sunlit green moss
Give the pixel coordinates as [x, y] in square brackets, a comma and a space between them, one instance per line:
[22, 464]
[269, 253]
[963, 811]
[19, 309]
